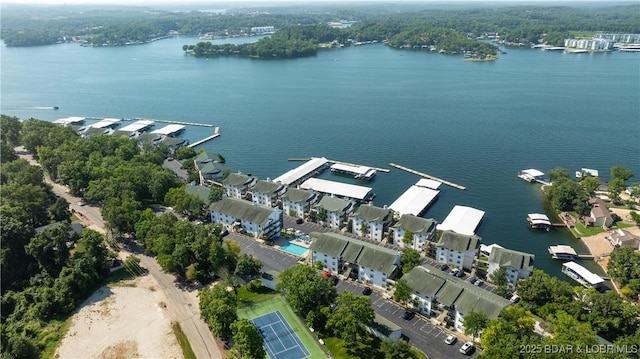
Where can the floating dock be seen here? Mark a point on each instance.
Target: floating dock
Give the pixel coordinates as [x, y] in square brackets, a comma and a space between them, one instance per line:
[70, 121]
[415, 200]
[448, 183]
[169, 130]
[582, 275]
[360, 194]
[533, 175]
[462, 219]
[312, 166]
[385, 170]
[138, 126]
[216, 133]
[358, 172]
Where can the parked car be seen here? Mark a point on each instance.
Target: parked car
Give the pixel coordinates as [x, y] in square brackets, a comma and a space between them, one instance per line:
[454, 271]
[299, 221]
[459, 274]
[366, 291]
[478, 282]
[408, 315]
[472, 280]
[451, 339]
[443, 267]
[515, 298]
[467, 348]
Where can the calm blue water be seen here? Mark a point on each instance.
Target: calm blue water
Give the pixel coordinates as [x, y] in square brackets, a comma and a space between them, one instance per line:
[475, 124]
[293, 248]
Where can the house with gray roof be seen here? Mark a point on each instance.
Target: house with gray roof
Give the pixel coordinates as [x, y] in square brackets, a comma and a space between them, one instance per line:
[266, 193]
[297, 202]
[335, 211]
[599, 216]
[457, 249]
[237, 184]
[421, 230]
[366, 262]
[371, 221]
[436, 290]
[518, 265]
[209, 167]
[260, 221]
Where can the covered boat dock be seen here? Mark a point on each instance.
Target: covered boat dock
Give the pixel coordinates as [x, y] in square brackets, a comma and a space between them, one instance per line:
[463, 220]
[582, 275]
[414, 200]
[305, 171]
[338, 189]
[358, 172]
[169, 130]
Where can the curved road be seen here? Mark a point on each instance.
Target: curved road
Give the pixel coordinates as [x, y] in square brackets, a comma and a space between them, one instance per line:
[184, 306]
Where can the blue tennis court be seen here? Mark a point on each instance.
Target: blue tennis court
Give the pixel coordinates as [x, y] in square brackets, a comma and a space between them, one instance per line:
[280, 341]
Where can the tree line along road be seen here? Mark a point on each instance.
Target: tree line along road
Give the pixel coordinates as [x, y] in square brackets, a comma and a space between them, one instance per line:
[183, 307]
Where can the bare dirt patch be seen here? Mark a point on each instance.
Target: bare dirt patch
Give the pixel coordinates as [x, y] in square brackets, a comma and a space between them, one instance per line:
[123, 321]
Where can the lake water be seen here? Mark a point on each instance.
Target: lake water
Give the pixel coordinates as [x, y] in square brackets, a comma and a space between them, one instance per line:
[476, 124]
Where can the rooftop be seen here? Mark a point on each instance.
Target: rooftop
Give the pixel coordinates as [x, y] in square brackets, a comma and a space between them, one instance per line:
[459, 242]
[510, 258]
[358, 170]
[201, 192]
[242, 210]
[298, 195]
[337, 188]
[462, 220]
[428, 183]
[295, 174]
[584, 273]
[371, 213]
[237, 179]
[533, 172]
[330, 244]
[168, 130]
[331, 204]
[268, 187]
[107, 122]
[414, 200]
[562, 249]
[417, 225]
[138, 126]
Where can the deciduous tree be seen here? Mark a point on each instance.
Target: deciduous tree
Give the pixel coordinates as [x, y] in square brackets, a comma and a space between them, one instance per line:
[402, 292]
[410, 259]
[304, 289]
[474, 322]
[247, 341]
[350, 316]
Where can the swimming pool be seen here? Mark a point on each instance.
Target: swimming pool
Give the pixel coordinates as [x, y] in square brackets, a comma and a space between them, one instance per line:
[294, 248]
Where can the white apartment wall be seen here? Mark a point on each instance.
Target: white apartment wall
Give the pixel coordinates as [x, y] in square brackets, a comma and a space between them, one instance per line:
[457, 258]
[372, 276]
[334, 220]
[328, 262]
[417, 242]
[263, 199]
[299, 208]
[375, 229]
[423, 303]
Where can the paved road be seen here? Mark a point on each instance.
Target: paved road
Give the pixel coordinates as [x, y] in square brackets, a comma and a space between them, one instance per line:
[184, 306]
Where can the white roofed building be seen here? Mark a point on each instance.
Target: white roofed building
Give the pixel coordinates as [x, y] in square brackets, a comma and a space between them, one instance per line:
[428, 183]
[69, 121]
[306, 170]
[169, 130]
[339, 189]
[462, 219]
[582, 275]
[106, 123]
[138, 126]
[414, 200]
[359, 172]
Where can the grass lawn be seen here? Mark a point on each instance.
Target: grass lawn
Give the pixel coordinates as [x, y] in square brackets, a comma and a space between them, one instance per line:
[184, 342]
[337, 349]
[266, 303]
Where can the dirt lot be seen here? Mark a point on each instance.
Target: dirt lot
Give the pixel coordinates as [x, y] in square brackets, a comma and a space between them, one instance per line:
[129, 320]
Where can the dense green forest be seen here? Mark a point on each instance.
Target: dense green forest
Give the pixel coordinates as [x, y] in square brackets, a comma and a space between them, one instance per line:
[118, 26]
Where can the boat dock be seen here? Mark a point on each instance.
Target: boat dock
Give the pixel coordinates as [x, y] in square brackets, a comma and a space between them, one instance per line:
[216, 133]
[385, 170]
[448, 183]
[178, 122]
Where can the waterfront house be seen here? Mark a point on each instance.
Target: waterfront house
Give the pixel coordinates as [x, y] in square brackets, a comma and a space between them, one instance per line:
[333, 211]
[237, 184]
[518, 265]
[368, 263]
[434, 290]
[421, 230]
[236, 214]
[297, 202]
[371, 221]
[623, 239]
[457, 249]
[266, 193]
[599, 216]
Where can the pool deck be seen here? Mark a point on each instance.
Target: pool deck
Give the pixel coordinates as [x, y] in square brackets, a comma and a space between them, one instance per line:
[282, 240]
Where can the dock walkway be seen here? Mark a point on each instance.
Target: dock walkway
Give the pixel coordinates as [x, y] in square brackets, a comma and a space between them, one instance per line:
[216, 133]
[448, 183]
